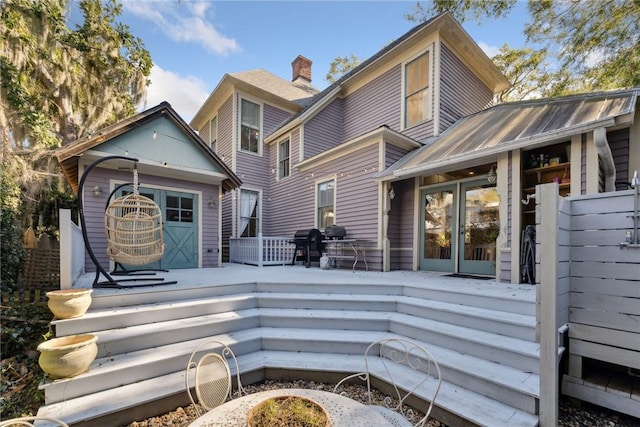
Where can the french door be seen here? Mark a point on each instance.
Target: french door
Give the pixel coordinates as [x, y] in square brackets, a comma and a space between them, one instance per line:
[459, 226]
[478, 228]
[179, 226]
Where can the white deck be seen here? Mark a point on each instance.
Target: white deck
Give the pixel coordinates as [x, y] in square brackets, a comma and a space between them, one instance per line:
[230, 274]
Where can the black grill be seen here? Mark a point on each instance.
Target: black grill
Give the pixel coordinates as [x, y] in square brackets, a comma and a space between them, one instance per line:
[309, 246]
[335, 232]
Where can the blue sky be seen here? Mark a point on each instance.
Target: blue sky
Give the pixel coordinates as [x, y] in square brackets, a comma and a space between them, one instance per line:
[193, 44]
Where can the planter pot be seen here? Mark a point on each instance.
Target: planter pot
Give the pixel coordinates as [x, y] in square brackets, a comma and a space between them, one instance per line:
[68, 303]
[67, 356]
[288, 410]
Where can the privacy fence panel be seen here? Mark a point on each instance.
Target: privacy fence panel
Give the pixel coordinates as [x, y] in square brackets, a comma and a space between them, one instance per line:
[604, 303]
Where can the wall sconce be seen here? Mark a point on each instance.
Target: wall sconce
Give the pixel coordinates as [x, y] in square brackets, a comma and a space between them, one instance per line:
[391, 193]
[211, 203]
[97, 190]
[492, 176]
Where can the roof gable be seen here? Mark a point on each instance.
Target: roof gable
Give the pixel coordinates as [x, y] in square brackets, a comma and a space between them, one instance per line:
[158, 137]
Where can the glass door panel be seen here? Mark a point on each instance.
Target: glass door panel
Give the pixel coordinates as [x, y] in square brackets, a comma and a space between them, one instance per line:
[438, 243]
[479, 227]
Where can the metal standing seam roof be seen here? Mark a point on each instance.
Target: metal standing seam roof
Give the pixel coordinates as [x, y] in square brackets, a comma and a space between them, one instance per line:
[510, 125]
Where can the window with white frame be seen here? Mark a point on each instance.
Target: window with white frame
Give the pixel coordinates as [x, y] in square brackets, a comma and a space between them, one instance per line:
[283, 159]
[325, 196]
[249, 126]
[249, 213]
[213, 133]
[417, 99]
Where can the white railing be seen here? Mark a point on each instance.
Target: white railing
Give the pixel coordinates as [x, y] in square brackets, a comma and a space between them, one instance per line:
[261, 250]
[71, 250]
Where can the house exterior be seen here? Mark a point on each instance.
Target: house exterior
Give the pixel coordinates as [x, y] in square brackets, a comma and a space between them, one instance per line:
[409, 152]
[176, 169]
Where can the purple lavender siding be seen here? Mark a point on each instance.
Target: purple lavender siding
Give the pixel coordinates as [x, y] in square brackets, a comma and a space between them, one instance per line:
[324, 130]
[401, 225]
[272, 118]
[94, 211]
[291, 200]
[461, 91]
[376, 104]
[224, 146]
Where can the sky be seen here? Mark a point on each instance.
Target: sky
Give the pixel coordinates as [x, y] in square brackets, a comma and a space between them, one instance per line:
[193, 44]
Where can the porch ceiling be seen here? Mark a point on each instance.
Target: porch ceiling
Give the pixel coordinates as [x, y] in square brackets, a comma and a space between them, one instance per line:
[480, 137]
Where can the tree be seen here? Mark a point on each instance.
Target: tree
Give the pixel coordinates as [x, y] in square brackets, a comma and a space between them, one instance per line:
[340, 66]
[597, 42]
[526, 71]
[59, 84]
[584, 45]
[460, 9]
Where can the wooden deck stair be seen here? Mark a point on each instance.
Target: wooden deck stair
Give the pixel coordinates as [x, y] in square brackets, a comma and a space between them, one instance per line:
[485, 345]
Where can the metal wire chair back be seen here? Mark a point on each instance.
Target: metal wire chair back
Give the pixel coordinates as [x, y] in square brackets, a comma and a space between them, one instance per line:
[383, 358]
[212, 375]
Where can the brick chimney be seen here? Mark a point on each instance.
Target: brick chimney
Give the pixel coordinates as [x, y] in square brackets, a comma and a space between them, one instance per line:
[301, 68]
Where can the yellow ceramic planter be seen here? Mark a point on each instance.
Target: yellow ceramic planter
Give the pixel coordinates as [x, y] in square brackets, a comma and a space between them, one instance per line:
[69, 303]
[67, 356]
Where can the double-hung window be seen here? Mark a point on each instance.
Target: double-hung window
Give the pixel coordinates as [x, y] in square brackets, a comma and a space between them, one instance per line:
[213, 133]
[325, 192]
[249, 126]
[417, 99]
[283, 159]
[249, 213]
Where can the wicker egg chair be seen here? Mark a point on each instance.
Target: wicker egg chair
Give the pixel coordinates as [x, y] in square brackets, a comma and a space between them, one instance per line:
[133, 226]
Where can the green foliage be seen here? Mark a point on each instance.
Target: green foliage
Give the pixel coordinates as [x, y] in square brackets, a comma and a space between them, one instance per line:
[460, 9]
[340, 66]
[574, 46]
[11, 250]
[526, 70]
[56, 85]
[595, 43]
[23, 328]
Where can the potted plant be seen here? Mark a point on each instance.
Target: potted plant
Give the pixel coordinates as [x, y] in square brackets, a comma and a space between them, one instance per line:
[292, 411]
[67, 356]
[69, 303]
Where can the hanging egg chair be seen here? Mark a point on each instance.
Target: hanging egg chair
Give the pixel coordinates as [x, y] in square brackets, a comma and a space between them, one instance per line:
[133, 226]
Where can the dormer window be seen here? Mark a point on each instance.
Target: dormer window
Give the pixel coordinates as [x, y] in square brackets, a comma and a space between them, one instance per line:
[417, 96]
[249, 126]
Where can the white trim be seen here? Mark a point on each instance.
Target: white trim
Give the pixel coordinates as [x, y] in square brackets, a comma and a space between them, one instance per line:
[416, 227]
[113, 183]
[381, 134]
[220, 195]
[259, 202]
[436, 67]
[592, 166]
[244, 97]
[277, 146]
[576, 165]
[321, 180]
[301, 143]
[403, 82]
[308, 114]
[516, 213]
[213, 137]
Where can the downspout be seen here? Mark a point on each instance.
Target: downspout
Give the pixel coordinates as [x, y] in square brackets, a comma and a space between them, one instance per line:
[604, 151]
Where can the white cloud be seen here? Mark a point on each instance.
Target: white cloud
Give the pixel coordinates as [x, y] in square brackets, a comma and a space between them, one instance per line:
[184, 22]
[489, 50]
[185, 94]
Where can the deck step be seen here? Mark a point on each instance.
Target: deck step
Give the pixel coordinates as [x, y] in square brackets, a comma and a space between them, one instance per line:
[92, 409]
[488, 355]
